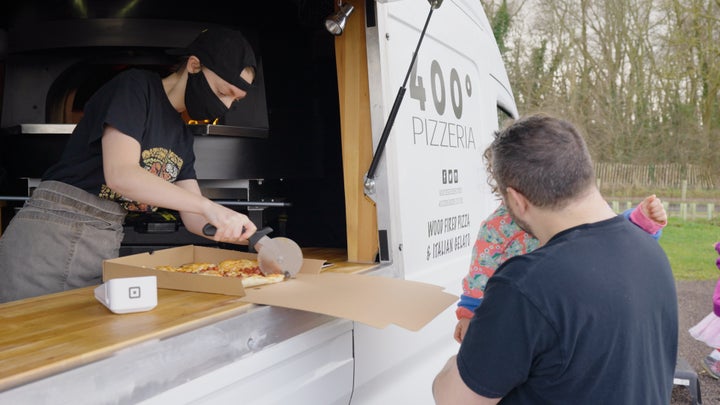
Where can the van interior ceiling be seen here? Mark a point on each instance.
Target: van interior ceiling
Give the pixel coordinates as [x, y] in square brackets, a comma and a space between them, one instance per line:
[298, 158]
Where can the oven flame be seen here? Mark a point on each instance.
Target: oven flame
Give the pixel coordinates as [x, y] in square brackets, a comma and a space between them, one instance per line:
[203, 122]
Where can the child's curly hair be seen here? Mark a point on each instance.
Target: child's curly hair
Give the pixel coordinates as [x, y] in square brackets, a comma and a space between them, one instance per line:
[487, 158]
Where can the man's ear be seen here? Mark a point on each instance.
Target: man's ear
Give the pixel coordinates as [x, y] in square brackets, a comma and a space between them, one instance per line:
[193, 64]
[518, 203]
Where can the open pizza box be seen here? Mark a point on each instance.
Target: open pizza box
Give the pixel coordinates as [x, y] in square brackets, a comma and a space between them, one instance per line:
[373, 300]
[143, 264]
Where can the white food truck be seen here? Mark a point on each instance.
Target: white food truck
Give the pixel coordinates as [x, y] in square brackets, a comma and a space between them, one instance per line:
[414, 192]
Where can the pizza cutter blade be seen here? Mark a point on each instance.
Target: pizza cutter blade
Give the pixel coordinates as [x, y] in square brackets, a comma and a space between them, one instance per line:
[275, 255]
[279, 255]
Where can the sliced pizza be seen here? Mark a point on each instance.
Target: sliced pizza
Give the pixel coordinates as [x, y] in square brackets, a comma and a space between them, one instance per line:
[256, 280]
[200, 268]
[250, 272]
[247, 270]
[240, 267]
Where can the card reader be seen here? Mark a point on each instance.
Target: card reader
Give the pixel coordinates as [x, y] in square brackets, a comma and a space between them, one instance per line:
[127, 295]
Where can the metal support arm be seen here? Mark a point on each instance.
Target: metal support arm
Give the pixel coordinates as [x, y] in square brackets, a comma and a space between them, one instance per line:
[369, 183]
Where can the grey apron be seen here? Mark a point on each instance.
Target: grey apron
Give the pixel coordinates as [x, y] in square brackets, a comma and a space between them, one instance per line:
[58, 241]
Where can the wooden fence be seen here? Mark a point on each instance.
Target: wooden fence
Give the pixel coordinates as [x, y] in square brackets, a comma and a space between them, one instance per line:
[676, 209]
[666, 175]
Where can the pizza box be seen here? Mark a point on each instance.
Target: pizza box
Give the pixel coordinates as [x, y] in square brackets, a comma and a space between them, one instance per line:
[143, 264]
[373, 300]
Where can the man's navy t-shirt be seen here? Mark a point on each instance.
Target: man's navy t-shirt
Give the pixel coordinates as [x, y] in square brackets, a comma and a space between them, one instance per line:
[589, 318]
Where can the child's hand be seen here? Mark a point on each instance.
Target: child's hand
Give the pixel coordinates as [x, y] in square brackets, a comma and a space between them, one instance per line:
[654, 210]
[461, 328]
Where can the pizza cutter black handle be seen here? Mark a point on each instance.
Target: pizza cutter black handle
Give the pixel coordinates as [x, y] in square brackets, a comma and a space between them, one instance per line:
[252, 240]
[209, 230]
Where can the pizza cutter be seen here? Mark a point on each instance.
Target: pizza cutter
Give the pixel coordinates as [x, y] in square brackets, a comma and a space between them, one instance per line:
[275, 255]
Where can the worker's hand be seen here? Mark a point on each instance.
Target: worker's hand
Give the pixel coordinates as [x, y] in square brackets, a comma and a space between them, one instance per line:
[231, 226]
[461, 329]
[654, 210]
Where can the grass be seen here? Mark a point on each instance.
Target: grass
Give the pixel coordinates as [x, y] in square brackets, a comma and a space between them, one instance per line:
[689, 246]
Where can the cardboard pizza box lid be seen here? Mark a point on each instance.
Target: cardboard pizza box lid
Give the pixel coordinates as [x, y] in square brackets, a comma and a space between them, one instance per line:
[373, 300]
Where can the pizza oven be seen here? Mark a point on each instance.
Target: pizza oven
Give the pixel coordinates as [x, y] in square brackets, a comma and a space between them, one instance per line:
[256, 160]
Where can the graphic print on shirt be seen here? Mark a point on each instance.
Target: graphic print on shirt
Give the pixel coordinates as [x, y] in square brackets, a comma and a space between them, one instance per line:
[161, 162]
[498, 240]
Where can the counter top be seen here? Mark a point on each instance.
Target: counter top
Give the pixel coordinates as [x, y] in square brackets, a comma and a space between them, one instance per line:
[45, 335]
[51, 333]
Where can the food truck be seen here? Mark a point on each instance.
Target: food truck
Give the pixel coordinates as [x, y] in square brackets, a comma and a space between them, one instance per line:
[362, 142]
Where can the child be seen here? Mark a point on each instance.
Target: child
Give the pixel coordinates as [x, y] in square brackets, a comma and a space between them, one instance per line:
[708, 330]
[500, 239]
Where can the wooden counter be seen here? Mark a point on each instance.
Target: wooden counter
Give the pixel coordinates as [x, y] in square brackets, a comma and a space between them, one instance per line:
[46, 335]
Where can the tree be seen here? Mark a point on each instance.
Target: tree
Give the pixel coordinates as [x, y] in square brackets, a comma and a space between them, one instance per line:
[641, 77]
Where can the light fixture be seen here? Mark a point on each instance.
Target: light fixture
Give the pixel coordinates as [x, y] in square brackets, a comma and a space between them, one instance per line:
[335, 23]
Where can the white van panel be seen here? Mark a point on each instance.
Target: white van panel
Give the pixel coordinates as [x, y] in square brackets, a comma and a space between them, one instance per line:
[271, 375]
[435, 175]
[407, 376]
[432, 183]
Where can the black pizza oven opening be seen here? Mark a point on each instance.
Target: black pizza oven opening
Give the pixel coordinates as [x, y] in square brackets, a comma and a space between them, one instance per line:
[67, 95]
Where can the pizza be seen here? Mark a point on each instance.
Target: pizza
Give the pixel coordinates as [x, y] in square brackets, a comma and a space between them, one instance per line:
[247, 270]
[196, 268]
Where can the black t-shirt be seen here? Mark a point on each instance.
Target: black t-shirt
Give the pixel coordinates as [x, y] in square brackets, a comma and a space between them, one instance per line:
[589, 318]
[135, 103]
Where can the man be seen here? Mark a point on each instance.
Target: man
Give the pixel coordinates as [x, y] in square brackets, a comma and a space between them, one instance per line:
[588, 318]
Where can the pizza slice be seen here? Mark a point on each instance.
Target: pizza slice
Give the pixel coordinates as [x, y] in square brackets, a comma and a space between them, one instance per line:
[199, 268]
[247, 270]
[256, 280]
[240, 267]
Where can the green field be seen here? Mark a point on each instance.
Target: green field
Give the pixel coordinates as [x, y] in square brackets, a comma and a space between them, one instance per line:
[690, 247]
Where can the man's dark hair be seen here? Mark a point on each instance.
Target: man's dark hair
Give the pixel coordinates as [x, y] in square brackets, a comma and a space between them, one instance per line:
[542, 157]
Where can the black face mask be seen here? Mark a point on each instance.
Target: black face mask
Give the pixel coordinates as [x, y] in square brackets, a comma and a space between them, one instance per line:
[200, 101]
